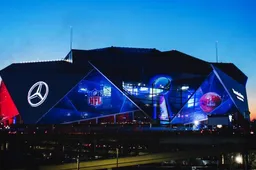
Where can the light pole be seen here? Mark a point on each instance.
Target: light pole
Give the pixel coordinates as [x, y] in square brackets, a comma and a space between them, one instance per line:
[77, 163]
[117, 154]
[77, 159]
[153, 102]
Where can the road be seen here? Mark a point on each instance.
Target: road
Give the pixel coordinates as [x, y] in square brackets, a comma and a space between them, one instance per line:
[136, 160]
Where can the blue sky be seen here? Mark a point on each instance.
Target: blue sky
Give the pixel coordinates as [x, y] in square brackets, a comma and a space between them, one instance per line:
[35, 29]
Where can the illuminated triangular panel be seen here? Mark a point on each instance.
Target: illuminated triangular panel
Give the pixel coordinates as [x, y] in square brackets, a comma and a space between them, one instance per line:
[19, 79]
[236, 91]
[92, 97]
[210, 99]
[8, 109]
[178, 98]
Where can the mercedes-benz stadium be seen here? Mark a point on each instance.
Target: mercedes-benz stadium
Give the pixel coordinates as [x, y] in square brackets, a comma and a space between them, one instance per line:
[123, 85]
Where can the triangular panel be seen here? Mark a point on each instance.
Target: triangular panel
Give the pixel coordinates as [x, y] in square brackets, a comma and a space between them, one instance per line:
[161, 96]
[59, 81]
[8, 109]
[210, 99]
[179, 95]
[92, 97]
[236, 91]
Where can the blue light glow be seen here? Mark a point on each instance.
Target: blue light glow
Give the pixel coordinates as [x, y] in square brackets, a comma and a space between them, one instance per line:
[93, 97]
[210, 98]
[191, 102]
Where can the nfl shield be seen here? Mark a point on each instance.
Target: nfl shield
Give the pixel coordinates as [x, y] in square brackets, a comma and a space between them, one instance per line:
[95, 98]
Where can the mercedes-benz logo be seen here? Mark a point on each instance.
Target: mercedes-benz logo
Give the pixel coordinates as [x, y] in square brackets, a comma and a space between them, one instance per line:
[37, 94]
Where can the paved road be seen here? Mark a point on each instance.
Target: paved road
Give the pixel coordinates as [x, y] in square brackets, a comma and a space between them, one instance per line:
[134, 161]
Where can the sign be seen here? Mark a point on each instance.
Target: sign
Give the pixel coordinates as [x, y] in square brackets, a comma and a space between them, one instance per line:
[95, 98]
[37, 94]
[239, 96]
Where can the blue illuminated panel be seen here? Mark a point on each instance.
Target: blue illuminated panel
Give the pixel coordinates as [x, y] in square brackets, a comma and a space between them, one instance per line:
[163, 115]
[92, 97]
[237, 91]
[210, 99]
[163, 95]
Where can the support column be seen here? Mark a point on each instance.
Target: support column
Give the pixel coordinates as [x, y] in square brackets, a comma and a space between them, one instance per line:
[117, 157]
[78, 163]
[132, 116]
[114, 119]
[97, 121]
[245, 160]
[94, 143]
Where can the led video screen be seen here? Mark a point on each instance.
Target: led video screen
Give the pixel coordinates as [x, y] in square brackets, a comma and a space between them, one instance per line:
[210, 98]
[236, 90]
[7, 107]
[92, 97]
[165, 95]
[183, 101]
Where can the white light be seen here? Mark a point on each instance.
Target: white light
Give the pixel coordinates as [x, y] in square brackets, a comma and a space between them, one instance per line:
[230, 118]
[196, 122]
[152, 95]
[37, 94]
[219, 126]
[184, 87]
[42, 61]
[155, 91]
[83, 89]
[252, 132]
[191, 101]
[239, 96]
[239, 159]
[143, 89]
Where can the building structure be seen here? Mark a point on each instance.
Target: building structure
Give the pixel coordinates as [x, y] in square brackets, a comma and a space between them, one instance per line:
[123, 85]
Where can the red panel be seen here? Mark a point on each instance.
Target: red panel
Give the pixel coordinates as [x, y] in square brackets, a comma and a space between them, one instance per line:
[7, 107]
[108, 119]
[92, 121]
[123, 118]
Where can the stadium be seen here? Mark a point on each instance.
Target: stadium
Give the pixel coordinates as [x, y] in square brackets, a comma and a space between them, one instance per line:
[124, 85]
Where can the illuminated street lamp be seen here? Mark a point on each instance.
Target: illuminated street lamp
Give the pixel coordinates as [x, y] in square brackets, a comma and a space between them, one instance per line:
[239, 159]
[117, 155]
[196, 122]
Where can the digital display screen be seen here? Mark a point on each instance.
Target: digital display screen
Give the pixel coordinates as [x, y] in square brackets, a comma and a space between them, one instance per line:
[92, 97]
[209, 99]
[236, 90]
[177, 98]
[183, 103]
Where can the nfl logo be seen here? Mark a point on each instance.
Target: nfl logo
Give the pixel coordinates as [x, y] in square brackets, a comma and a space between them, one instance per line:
[95, 98]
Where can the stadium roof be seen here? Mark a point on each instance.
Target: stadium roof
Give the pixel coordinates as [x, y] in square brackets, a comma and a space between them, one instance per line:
[131, 63]
[233, 71]
[152, 61]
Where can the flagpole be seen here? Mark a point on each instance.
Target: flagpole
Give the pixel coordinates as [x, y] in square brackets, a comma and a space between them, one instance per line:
[216, 48]
[71, 37]
[71, 43]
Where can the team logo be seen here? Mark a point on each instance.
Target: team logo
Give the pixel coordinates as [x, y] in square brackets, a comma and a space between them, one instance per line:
[37, 94]
[210, 101]
[95, 98]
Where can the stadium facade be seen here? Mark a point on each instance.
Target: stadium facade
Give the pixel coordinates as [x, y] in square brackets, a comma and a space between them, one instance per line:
[121, 85]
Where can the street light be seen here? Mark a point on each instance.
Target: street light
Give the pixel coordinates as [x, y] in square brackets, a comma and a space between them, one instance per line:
[196, 122]
[117, 153]
[239, 159]
[77, 163]
[78, 157]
